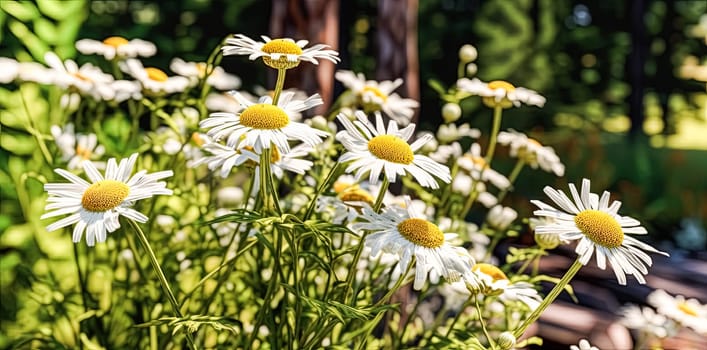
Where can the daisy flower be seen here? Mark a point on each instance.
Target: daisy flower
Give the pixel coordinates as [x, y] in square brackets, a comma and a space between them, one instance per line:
[463, 184]
[494, 282]
[35, 72]
[373, 96]
[646, 320]
[283, 53]
[77, 148]
[545, 240]
[500, 217]
[451, 132]
[404, 233]
[596, 224]
[126, 90]
[373, 150]
[479, 170]
[583, 345]
[444, 152]
[153, 79]
[96, 206]
[196, 70]
[88, 80]
[531, 152]
[687, 312]
[226, 158]
[348, 200]
[116, 47]
[262, 124]
[500, 93]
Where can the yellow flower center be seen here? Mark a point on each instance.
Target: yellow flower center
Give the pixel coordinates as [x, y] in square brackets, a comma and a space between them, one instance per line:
[391, 148]
[687, 309]
[490, 270]
[504, 102]
[534, 142]
[341, 186]
[283, 47]
[264, 116]
[115, 41]
[82, 77]
[84, 153]
[197, 139]
[421, 232]
[156, 74]
[478, 162]
[374, 90]
[500, 84]
[201, 68]
[529, 156]
[104, 195]
[600, 227]
[356, 194]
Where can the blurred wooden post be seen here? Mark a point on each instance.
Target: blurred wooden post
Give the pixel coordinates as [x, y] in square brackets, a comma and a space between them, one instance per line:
[318, 22]
[397, 46]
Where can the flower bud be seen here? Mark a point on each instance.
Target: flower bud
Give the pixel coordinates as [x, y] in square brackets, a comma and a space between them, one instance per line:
[467, 53]
[547, 240]
[471, 69]
[451, 112]
[506, 341]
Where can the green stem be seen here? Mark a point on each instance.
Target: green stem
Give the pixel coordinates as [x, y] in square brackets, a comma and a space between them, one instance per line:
[266, 309]
[549, 298]
[361, 243]
[481, 321]
[267, 184]
[320, 190]
[160, 275]
[381, 194]
[279, 85]
[512, 178]
[461, 70]
[497, 113]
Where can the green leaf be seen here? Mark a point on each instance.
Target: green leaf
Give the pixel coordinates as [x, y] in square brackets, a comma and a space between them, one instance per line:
[24, 11]
[68, 30]
[437, 86]
[18, 144]
[35, 46]
[60, 10]
[46, 30]
[16, 236]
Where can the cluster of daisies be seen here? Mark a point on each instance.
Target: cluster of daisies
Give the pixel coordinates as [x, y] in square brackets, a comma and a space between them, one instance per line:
[91, 81]
[665, 316]
[420, 243]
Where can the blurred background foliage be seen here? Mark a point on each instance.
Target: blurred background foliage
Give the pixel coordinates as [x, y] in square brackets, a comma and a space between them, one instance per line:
[574, 52]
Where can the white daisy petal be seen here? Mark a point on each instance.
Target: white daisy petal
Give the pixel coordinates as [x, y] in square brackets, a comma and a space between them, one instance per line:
[399, 231]
[596, 225]
[385, 151]
[96, 206]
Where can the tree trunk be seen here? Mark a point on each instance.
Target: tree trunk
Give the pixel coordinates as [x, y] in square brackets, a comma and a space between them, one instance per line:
[397, 46]
[318, 22]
